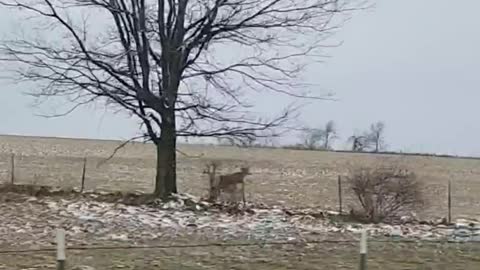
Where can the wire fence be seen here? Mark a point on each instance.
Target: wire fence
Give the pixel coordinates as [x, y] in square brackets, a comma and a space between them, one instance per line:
[93, 173]
[426, 253]
[82, 173]
[225, 245]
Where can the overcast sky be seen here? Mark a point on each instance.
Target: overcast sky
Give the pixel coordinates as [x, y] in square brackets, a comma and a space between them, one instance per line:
[413, 64]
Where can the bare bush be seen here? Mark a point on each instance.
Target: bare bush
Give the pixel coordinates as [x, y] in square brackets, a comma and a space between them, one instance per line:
[385, 193]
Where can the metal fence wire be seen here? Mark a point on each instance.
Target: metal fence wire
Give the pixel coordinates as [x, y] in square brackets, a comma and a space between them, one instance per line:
[321, 254]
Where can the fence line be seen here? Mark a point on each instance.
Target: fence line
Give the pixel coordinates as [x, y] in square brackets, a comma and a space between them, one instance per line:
[266, 243]
[340, 182]
[80, 173]
[62, 247]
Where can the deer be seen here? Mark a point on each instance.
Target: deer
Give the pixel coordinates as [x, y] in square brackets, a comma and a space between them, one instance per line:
[230, 181]
[227, 182]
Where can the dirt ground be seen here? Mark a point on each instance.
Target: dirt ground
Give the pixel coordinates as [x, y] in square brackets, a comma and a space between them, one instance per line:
[290, 178]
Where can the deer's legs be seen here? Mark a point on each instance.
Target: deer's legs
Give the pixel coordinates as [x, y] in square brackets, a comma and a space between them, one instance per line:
[233, 194]
[243, 192]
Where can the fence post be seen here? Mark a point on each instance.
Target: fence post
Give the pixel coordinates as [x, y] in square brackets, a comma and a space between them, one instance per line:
[340, 194]
[363, 250]
[61, 249]
[12, 169]
[83, 174]
[449, 199]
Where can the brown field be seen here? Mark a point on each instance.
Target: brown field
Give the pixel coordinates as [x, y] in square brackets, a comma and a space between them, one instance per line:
[291, 178]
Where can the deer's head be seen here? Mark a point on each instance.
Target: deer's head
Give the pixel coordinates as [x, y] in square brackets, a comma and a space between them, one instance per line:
[210, 168]
[245, 170]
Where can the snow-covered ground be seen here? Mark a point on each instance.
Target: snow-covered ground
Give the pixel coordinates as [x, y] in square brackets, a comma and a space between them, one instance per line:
[32, 221]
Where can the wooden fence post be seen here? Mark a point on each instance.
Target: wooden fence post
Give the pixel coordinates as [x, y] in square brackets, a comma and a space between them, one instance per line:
[340, 194]
[83, 174]
[61, 249]
[12, 169]
[449, 201]
[363, 250]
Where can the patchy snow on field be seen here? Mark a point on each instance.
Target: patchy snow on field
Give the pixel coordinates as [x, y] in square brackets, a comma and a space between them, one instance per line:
[32, 222]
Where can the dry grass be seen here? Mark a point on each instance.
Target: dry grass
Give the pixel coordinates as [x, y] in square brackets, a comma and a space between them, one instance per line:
[291, 178]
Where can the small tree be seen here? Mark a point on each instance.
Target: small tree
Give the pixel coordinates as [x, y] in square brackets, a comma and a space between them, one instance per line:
[311, 138]
[329, 134]
[384, 193]
[376, 136]
[316, 138]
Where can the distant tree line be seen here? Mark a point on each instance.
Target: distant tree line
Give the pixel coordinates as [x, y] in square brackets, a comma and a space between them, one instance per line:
[371, 140]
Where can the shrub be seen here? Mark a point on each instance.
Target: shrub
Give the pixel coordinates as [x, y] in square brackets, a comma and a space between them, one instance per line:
[385, 194]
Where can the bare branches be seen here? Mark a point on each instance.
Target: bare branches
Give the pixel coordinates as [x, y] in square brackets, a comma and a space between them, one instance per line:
[323, 137]
[150, 51]
[385, 193]
[373, 139]
[376, 136]
[118, 148]
[183, 68]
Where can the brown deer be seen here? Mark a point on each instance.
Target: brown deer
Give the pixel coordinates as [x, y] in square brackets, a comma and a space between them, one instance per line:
[229, 182]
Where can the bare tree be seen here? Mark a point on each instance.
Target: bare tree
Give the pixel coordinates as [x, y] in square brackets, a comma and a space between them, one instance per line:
[376, 136]
[311, 138]
[161, 61]
[320, 138]
[329, 134]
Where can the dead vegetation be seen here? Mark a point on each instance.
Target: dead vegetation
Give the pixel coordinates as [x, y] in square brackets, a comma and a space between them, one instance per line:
[385, 193]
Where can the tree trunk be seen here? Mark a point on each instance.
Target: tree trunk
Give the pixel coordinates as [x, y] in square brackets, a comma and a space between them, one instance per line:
[166, 178]
[326, 142]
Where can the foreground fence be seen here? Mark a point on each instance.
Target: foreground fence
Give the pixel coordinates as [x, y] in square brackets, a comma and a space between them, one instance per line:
[320, 254]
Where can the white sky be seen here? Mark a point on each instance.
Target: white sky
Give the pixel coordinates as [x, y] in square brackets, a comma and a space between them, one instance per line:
[412, 63]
